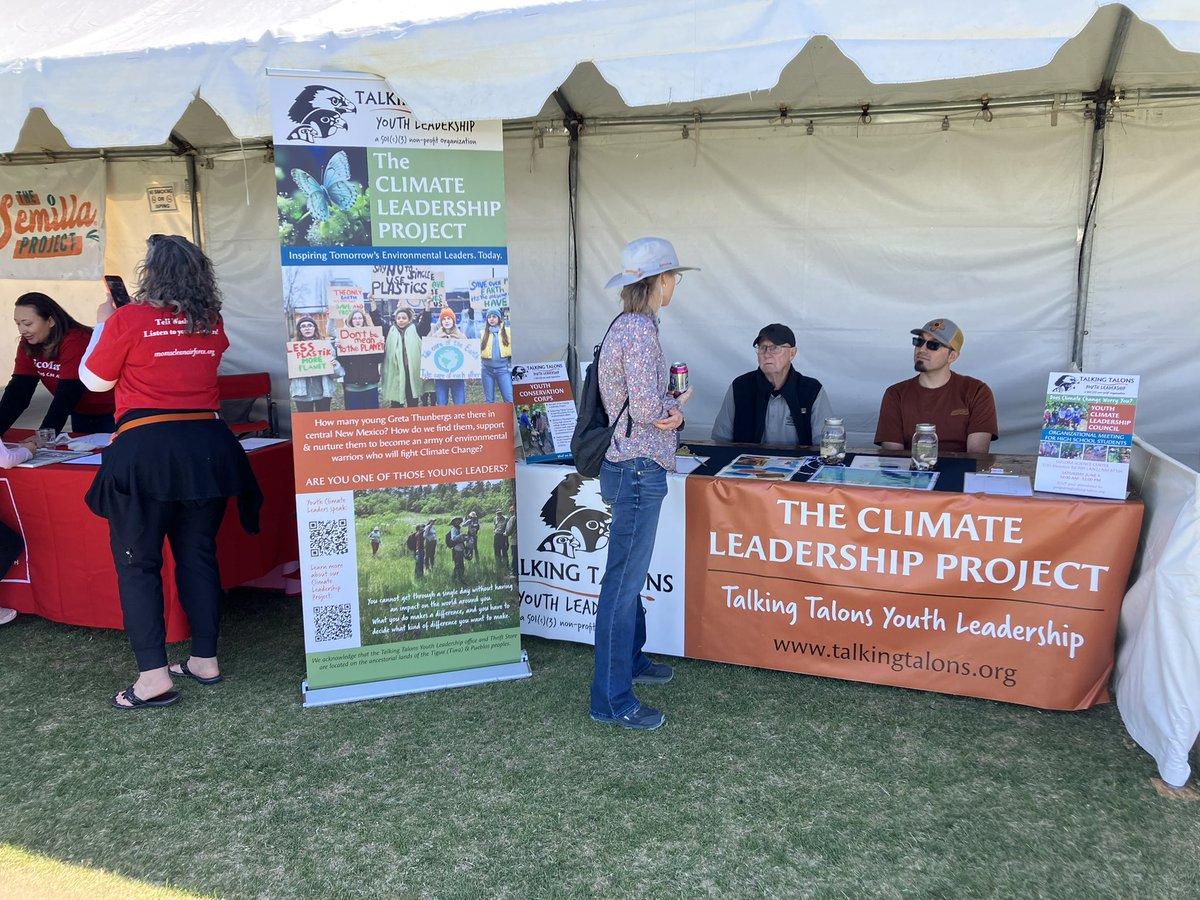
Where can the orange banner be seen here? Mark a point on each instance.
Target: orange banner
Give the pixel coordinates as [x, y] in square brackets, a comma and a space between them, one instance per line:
[1012, 599]
[383, 448]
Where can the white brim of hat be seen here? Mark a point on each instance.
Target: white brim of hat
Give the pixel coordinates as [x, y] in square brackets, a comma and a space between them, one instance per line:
[623, 278]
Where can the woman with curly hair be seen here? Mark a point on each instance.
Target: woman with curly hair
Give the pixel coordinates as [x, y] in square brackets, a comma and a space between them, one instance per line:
[172, 465]
[50, 350]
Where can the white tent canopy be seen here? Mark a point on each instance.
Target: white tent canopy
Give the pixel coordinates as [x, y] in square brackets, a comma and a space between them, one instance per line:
[124, 73]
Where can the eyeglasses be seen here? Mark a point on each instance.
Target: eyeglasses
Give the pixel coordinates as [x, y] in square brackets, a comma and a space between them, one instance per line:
[771, 349]
[678, 277]
[934, 346]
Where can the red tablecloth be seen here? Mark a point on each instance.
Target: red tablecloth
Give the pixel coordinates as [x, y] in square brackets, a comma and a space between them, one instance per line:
[66, 573]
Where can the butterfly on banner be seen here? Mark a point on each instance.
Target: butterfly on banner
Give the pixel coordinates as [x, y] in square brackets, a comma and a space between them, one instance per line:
[335, 187]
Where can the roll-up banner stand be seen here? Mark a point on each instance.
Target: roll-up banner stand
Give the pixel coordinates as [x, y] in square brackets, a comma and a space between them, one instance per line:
[390, 232]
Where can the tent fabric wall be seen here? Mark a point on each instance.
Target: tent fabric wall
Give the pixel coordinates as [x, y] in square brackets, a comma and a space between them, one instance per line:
[1157, 674]
[241, 236]
[1145, 283]
[853, 237]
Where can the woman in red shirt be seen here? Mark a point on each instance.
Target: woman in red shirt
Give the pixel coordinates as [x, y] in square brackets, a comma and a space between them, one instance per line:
[51, 348]
[172, 464]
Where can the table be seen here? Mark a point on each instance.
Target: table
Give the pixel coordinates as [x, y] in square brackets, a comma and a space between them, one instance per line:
[66, 573]
[1008, 598]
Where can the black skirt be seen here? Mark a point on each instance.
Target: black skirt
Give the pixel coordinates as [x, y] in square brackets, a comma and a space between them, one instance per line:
[188, 460]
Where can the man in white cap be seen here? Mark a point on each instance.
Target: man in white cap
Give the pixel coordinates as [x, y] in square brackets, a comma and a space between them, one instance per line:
[961, 407]
[773, 404]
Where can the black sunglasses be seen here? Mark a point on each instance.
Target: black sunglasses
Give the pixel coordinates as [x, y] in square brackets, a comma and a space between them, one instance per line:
[933, 346]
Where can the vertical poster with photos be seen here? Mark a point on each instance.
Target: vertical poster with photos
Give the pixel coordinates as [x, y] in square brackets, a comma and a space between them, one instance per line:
[545, 410]
[1087, 434]
[393, 244]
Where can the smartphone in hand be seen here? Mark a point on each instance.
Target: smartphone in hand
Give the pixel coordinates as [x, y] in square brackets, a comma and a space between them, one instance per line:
[116, 290]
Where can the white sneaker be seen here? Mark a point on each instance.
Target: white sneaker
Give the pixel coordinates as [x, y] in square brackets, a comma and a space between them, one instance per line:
[7, 615]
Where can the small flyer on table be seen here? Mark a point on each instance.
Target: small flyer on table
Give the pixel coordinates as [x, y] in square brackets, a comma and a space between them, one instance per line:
[545, 410]
[763, 468]
[1087, 434]
[887, 478]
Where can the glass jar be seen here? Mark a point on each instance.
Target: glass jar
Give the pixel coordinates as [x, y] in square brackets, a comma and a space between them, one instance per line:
[833, 441]
[925, 447]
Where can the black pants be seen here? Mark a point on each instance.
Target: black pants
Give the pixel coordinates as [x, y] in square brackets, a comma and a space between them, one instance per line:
[11, 546]
[137, 546]
[313, 405]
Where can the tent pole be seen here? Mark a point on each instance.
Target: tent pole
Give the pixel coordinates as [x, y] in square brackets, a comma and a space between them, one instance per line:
[1105, 99]
[574, 124]
[197, 238]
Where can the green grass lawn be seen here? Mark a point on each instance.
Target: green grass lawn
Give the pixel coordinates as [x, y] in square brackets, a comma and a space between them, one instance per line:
[762, 784]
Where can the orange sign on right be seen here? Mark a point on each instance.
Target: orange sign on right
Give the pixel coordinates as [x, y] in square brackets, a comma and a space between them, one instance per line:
[1006, 598]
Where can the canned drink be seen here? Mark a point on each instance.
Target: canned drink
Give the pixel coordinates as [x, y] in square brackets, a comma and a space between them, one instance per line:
[679, 378]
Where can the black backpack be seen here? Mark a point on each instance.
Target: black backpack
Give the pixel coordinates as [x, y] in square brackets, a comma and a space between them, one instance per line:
[593, 430]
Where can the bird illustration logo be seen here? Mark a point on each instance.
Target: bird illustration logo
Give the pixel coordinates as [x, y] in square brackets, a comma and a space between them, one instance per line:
[319, 112]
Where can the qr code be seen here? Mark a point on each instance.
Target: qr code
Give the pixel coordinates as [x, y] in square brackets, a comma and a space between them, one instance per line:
[327, 537]
[333, 623]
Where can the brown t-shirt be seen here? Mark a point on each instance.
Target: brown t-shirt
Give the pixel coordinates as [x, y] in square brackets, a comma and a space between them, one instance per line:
[962, 406]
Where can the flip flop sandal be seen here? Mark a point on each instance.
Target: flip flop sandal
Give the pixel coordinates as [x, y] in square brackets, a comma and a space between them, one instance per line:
[185, 672]
[136, 702]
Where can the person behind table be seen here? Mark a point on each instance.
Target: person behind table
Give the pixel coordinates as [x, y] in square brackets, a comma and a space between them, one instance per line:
[361, 381]
[633, 478]
[11, 543]
[495, 356]
[961, 407]
[773, 404]
[449, 390]
[51, 346]
[401, 383]
[172, 465]
[311, 393]
[457, 539]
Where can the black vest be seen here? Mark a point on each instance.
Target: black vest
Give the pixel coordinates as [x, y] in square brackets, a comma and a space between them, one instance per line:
[752, 392]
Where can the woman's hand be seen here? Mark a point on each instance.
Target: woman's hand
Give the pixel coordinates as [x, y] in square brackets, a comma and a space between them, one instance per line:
[673, 421]
[104, 310]
[685, 397]
[30, 443]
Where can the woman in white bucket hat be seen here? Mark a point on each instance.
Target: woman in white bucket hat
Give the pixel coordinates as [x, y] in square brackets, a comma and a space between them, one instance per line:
[634, 385]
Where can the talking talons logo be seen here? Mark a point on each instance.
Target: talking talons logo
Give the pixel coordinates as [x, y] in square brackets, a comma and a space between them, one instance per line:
[578, 517]
[319, 112]
[1065, 383]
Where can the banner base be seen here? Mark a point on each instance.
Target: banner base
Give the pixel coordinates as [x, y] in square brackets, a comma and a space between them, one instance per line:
[415, 684]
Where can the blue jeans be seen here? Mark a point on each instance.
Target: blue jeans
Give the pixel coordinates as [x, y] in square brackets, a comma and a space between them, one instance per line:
[493, 376]
[450, 388]
[634, 491]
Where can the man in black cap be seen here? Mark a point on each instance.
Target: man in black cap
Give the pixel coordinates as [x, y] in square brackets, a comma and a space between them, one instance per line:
[774, 404]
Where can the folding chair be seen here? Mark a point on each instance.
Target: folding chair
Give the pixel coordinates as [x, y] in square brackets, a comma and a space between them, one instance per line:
[250, 386]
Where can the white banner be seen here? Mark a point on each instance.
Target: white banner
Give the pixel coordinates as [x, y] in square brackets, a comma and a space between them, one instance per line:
[563, 528]
[52, 221]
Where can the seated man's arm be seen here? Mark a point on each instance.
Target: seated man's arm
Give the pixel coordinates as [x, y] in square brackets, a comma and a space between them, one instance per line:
[822, 409]
[889, 432]
[982, 428]
[722, 429]
[979, 442]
